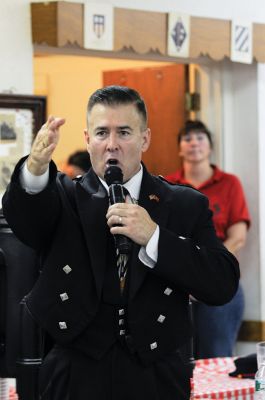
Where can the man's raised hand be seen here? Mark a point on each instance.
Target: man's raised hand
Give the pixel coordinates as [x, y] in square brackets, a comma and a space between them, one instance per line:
[44, 145]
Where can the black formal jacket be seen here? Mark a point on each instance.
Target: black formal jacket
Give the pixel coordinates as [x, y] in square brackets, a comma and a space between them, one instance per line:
[67, 223]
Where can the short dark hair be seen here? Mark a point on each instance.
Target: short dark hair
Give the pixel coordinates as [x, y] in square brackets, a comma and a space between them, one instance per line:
[80, 159]
[116, 95]
[194, 126]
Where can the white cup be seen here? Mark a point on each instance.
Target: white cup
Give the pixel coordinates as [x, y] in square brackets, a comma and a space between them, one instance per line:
[260, 353]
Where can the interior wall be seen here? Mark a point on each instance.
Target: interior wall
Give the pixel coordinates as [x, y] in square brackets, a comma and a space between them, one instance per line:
[261, 153]
[15, 47]
[241, 156]
[68, 81]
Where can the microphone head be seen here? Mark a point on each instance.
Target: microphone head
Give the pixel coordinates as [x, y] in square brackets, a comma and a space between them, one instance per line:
[113, 174]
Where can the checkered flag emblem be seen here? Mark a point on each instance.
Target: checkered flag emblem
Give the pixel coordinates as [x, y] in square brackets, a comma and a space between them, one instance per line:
[242, 38]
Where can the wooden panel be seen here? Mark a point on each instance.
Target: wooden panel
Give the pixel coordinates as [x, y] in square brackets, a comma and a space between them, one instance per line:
[44, 23]
[57, 23]
[210, 37]
[61, 23]
[259, 42]
[252, 331]
[141, 30]
[163, 89]
[70, 24]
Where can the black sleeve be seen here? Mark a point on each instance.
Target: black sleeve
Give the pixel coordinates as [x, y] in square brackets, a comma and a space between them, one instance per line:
[32, 217]
[198, 264]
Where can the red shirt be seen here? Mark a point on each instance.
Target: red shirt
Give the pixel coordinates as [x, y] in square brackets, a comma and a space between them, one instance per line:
[226, 198]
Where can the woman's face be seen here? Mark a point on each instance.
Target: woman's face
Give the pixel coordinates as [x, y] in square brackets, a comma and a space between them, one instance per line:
[195, 147]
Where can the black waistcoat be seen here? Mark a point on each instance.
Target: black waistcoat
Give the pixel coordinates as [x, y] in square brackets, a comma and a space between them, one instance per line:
[109, 323]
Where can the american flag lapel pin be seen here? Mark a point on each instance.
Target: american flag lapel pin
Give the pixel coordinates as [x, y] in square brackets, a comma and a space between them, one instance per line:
[154, 197]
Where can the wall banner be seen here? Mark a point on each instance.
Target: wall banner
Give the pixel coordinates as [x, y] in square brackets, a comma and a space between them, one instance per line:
[178, 38]
[241, 41]
[98, 26]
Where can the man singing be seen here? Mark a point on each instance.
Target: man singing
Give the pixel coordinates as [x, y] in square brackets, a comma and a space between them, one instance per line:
[117, 322]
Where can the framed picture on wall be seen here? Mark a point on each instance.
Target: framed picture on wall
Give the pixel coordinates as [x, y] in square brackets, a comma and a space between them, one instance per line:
[21, 116]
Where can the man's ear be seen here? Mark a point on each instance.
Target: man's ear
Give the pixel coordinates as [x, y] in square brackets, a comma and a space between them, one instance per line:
[146, 139]
[86, 134]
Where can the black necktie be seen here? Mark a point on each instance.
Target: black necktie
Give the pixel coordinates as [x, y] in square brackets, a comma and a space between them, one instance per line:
[122, 259]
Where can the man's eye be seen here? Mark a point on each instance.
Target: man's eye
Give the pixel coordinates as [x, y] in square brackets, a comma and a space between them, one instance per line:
[101, 133]
[124, 133]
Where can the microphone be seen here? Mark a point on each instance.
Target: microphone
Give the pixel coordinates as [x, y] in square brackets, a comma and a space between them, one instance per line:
[114, 178]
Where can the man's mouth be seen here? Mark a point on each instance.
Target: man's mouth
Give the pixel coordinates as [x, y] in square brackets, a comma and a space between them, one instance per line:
[111, 161]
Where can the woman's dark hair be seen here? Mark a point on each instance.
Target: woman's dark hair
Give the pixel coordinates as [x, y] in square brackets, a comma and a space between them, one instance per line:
[194, 126]
[116, 95]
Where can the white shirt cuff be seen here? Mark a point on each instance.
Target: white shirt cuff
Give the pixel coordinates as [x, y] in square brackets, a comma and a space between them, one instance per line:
[31, 183]
[148, 255]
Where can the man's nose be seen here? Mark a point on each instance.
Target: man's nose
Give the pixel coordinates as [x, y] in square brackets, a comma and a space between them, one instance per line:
[112, 142]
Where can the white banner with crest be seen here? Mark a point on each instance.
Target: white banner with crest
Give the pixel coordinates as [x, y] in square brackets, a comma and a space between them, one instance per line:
[98, 26]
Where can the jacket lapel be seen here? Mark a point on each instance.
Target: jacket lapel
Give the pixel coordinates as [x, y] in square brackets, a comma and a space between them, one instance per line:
[92, 204]
[152, 198]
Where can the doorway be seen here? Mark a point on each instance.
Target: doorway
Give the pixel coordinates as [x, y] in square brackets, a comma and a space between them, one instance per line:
[68, 81]
[163, 90]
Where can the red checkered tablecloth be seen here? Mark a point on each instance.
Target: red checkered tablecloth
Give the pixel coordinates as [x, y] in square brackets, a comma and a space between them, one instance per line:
[211, 381]
[7, 392]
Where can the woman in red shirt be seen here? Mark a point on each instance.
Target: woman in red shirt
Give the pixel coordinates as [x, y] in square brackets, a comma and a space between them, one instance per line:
[216, 328]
